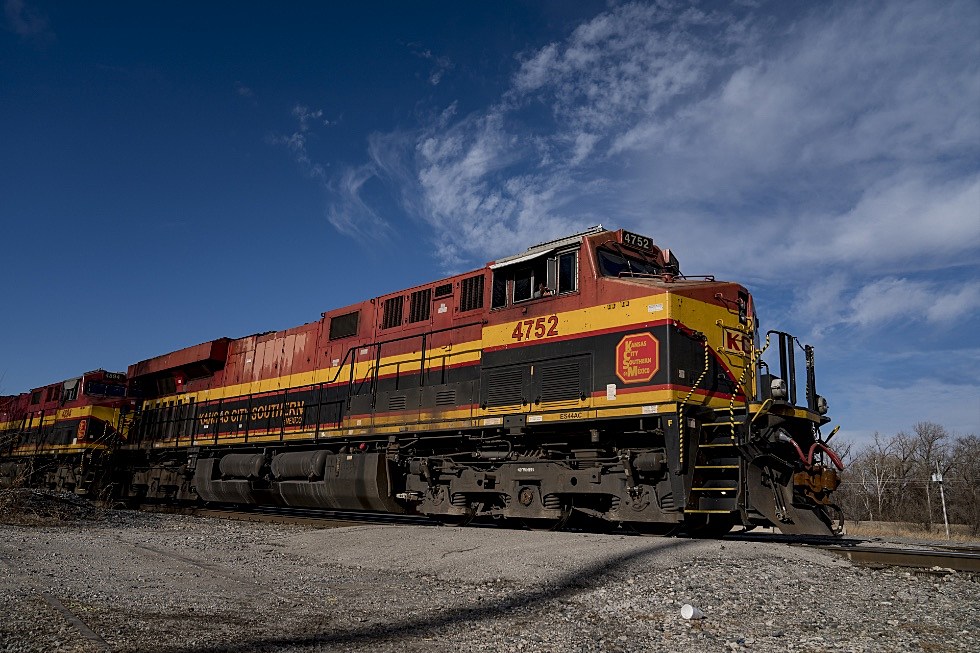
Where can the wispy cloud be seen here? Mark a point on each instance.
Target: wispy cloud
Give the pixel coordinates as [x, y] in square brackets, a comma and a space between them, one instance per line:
[440, 65]
[350, 212]
[348, 207]
[893, 299]
[244, 91]
[937, 398]
[27, 22]
[847, 135]
[298, 141]
[858, 305]
[917, 220]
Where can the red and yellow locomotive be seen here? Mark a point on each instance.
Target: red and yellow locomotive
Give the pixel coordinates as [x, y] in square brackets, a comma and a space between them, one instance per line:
[585, 376]
[62, 435]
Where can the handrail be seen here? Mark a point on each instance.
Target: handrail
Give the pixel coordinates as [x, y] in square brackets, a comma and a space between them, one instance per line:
[350, 355]
[787, 367]
[648, 275]
[379, 343]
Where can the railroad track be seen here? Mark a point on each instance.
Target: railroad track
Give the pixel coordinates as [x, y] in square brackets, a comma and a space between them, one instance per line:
[936, 557]
[299, 516]
[933, 559]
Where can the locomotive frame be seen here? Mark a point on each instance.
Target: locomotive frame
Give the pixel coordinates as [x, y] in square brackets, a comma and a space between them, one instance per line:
[585, 376]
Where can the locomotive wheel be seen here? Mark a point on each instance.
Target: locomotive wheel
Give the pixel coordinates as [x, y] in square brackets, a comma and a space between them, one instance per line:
[456, 520]
[548, 524]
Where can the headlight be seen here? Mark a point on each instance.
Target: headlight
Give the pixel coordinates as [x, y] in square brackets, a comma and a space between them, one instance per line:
[778, 389]
[821, 405]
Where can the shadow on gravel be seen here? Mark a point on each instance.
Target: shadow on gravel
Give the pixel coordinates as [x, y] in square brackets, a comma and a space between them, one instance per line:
[568, 585]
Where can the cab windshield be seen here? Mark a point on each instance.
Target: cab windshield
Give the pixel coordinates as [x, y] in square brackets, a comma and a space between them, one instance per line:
[621, 264]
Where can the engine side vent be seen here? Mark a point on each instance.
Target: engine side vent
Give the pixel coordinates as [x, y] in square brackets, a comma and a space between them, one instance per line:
[505, 387]
[421, 304]
[560, 382]
[472, 293]
[445, 290]
[392, 312]
[446, 398]
[397, 402]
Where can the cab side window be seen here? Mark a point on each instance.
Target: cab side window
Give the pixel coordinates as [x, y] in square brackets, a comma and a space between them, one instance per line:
[567, 272]
[523, 284]
[552, 273]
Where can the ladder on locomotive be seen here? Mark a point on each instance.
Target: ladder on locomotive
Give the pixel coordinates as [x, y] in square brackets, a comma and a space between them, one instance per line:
[716, 478]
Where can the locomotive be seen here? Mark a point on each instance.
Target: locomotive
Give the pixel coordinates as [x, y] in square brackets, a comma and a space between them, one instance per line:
[586, 376]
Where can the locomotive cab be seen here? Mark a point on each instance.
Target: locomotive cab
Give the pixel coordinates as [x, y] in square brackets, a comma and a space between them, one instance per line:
[61, 435]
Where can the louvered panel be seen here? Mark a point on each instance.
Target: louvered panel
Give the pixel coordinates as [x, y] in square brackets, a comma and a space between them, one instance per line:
[560, 382]
[446, 398]
[504, 387]
[397, 402]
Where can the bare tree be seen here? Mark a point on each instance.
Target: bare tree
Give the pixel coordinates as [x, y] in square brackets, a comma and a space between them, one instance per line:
[868, 478]
[963, 481]
[891, 478]
[930, 448]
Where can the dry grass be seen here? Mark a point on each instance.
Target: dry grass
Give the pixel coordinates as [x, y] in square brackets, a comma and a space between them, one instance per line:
[28, 507]
[958, 532]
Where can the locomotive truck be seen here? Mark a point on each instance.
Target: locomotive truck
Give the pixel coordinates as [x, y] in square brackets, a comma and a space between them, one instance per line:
[586, 376]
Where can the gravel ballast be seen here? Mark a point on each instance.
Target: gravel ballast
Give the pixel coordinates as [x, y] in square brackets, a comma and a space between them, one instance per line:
[149, 582]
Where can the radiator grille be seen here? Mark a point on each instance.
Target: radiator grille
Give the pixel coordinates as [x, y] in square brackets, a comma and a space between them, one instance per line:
[504, 387]
[560, 382]
[421, 303]
[472, 293]
[393, 313]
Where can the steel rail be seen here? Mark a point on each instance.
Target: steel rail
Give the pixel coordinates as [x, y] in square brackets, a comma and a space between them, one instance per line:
[299, 516]
[944, 556]
[918, 558]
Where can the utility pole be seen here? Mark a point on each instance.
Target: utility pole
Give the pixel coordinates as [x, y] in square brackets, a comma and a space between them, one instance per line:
[938, 478]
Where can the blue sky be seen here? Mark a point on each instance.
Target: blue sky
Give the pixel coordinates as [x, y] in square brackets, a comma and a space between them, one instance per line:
[175, 172]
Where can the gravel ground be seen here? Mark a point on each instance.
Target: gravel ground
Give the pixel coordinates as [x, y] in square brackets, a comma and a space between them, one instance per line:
[128, 581]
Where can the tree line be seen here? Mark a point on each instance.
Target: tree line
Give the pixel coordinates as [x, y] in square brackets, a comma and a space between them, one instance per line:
[895, 478]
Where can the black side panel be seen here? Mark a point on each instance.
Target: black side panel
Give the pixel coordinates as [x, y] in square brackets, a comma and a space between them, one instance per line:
[562, 380]
[505, 386]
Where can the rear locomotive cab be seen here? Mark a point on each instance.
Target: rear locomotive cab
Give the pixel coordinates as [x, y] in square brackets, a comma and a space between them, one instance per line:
[61, 436]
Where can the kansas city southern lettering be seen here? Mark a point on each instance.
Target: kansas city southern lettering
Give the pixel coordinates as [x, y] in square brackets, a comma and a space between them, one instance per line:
[291, 412]
[637, 358]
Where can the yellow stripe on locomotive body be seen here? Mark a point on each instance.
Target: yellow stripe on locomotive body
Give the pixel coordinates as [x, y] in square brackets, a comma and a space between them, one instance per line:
[669, 308]
[69, 430]
[664, 306]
